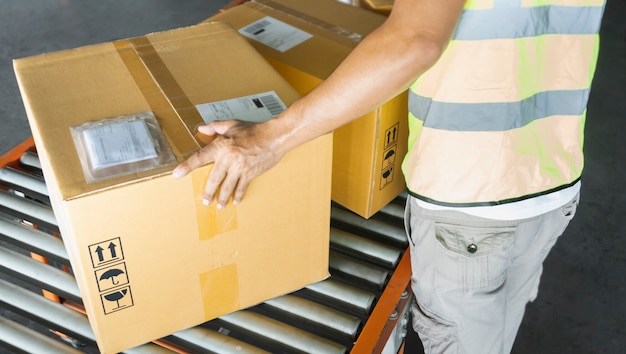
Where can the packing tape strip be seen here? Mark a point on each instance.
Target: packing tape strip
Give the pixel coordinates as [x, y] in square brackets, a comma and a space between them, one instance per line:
[220, 290]
[211, 221]
[341, 34]
[172, 107]
[162, 92]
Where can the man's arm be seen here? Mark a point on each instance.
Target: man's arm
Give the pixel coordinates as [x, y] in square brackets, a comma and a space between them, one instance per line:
[383, 65]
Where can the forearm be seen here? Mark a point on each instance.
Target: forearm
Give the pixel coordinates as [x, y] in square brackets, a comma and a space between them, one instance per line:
[380, 67]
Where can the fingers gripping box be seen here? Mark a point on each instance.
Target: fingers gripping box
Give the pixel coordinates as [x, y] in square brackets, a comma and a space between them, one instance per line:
[305, 41]
[111, 121]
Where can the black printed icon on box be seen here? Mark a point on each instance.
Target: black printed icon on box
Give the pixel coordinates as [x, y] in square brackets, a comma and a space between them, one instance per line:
[391, 135]
[389, 158]
[386, 176]
[106, 252]
[116, 300]
[111, 277]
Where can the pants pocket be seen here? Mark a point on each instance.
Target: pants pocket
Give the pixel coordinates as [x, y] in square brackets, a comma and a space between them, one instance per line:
[437, 335]
[472, 259]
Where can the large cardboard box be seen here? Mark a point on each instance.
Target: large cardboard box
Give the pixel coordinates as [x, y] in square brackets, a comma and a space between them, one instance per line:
[150, 259]
[305, 41]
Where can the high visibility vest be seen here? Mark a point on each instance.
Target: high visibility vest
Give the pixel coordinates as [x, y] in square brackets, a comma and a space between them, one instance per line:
[500, 117]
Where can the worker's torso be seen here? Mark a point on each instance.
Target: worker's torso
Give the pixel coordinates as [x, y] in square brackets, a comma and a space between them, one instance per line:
[500, 117]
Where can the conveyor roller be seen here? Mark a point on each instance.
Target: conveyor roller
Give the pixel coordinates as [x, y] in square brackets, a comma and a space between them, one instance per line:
[325, 317]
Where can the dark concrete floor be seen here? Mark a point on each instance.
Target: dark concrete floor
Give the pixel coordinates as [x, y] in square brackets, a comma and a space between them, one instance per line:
[581, 306]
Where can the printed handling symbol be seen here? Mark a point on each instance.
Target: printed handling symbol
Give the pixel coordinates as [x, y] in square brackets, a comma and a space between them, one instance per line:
[111, 274]
[100, 252]
[116, 296]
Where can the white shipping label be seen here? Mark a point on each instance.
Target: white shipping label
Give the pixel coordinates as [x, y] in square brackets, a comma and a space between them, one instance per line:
[275, 34]
[254, 108]
[118, 143]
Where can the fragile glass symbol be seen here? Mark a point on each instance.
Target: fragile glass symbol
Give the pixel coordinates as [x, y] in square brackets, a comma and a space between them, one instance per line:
[111, 274]
[116, 296]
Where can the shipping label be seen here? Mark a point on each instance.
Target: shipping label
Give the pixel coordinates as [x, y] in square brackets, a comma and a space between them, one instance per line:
[119, 143]
[275, 34]
[254, 108]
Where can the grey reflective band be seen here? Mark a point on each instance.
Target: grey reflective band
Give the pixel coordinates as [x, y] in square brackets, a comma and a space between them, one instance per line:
[515, 22]
[499, 116]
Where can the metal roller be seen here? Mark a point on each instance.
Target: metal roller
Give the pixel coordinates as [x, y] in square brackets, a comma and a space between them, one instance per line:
[33, 240]
[24, 339]
[57, 316]
[315, 317]
[382, 230]
[40, 274]
[358, 272]
[364, 248]
[339, 295]
[148, 348]
[403, 195]
[24, 182]
[279, 336]
[200, 339]
[393, 211]
[46, 312]
[31, 162]
[23, 208]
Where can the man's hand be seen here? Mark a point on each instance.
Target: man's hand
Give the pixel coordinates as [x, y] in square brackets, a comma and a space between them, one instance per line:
[240, 152]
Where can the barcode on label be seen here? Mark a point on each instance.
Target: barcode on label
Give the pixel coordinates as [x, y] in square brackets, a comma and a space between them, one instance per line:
[254, 108]
[271, 103]
[257, 28]
[275, 34]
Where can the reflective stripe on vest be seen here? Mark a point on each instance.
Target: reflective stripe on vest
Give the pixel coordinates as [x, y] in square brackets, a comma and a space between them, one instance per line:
[500, 117]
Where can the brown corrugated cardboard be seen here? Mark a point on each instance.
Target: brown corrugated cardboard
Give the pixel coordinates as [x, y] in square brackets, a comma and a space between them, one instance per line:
[149, 258]
[315, 37]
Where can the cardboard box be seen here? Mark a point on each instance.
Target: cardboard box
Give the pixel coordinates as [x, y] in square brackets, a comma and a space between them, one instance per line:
[150, 259]
[305, 41]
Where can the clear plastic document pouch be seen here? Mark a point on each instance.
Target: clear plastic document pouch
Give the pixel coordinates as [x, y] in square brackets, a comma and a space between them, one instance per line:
[119, 146]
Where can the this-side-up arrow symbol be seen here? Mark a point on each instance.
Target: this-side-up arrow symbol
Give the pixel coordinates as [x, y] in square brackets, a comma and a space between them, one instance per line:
[112, 249]
[100, 255]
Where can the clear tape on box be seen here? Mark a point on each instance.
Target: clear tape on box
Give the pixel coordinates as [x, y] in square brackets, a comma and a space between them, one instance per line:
[120, 146]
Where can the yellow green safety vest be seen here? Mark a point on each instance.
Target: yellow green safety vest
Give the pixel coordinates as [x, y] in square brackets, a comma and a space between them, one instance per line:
[500, 116]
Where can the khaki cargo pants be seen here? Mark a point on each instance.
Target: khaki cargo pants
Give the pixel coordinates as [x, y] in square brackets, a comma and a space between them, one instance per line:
[472, 277]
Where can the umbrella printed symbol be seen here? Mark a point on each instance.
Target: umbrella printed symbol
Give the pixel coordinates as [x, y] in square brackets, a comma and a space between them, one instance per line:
[116, 296]
[390, 153]
[112, 274]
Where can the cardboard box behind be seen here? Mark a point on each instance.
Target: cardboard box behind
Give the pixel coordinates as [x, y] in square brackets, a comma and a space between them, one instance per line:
[305, 41]
[149, 258]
